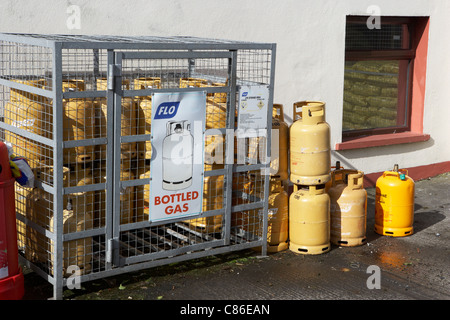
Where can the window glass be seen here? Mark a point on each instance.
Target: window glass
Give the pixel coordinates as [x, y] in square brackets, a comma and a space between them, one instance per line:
[360, 37]
[377, 77]
[371, 94]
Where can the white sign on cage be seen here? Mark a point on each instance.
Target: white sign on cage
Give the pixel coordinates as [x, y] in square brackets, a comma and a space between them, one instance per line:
[176, 184]
[252, 114]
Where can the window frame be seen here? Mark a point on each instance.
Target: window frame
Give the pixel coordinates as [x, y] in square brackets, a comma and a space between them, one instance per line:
[404, 109]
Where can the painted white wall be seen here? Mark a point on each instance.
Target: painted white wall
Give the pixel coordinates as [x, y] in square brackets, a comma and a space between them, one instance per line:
[310, 37]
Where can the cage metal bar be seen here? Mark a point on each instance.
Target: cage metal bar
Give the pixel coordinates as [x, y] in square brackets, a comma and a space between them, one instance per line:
[58, 173]
[112, 196]
[148, 92]
[232, 71]
[176, 55]
[27, 134]
[268, 146]
[24, 87]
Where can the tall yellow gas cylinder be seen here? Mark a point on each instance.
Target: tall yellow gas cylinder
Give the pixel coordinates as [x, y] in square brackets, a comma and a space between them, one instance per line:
[279, 147]
[212, 200]
[38, 208]
[78, 215]
[348, 208]
[128, 122]
[243, 188]
[214, 152]
[76, 252]
[309, 220]
[143, 199]
[78, 123]
[128, 199]
[32, 113]
[80, 202]
[310, 152]
[216, 112]
[278, 217]
[144, 113]
[394, 203]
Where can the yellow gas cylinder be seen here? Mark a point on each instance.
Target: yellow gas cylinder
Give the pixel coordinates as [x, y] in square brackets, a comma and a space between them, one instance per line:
[216, 113]
[219, 96]
[144, 113]
[78, 123]
[278, 217]
[32, 113]
[348, 208]
[192, 82]
[78, 215]
[214, 152]
[309, 220]
[336, 168]
[394, 203]
[279, 149]
[76, 252]
[81, 202]
[127, 194]
[279, 145]
[128, 122]
[212, 200]
[310, 152]
[216, 107]
[143, 199]
[39, 210]
[243, 187]
[216, 103]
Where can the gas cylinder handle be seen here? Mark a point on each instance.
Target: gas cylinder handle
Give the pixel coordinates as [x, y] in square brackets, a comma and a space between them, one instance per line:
[315, 111]
[339, 175]
[313, 107]
[359, 177]
[296, 112]
[278, 106]
[391, 173]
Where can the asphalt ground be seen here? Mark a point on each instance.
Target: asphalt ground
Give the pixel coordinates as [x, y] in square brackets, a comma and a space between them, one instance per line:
[413, 268]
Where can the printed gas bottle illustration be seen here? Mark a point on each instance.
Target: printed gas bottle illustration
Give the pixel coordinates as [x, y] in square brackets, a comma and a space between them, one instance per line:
[177, 164]
[177, 156]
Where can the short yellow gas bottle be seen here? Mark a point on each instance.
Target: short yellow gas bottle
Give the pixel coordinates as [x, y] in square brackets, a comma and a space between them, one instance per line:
[309, 220]
[394, 203]
[348, 208]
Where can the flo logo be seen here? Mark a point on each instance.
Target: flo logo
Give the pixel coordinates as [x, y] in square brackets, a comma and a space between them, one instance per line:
[167, 110]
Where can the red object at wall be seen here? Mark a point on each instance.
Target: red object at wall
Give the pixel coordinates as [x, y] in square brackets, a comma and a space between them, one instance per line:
[11, 277]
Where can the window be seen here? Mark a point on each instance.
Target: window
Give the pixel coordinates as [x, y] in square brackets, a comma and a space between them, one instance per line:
[379, 65]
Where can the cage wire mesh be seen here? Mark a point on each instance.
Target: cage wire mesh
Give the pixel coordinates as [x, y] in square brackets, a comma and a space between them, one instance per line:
[27, 104]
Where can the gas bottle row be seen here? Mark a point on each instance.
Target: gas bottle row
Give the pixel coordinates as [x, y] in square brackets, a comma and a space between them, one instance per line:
[330, 206]
[86, 118]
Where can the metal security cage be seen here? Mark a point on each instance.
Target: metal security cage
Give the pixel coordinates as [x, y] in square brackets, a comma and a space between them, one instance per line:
[78, 108]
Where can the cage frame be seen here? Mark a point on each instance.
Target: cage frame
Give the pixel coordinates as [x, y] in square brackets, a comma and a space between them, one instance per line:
[119, 48]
